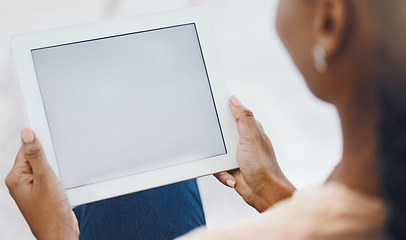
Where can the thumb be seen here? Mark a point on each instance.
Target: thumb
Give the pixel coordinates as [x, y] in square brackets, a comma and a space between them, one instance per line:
[246, 122]
[33, 152]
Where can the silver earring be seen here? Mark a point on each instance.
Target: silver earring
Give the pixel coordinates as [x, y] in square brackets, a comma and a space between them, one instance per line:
[319, 58]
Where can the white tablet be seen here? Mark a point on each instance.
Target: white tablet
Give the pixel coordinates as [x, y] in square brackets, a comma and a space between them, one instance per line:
[129, 104]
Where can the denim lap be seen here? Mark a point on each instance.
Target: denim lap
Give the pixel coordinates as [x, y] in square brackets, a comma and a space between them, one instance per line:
[162, 213]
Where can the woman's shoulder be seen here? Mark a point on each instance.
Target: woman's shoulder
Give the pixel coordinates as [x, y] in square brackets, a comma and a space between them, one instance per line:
[326, 211]
[330, 211]
[334, 198]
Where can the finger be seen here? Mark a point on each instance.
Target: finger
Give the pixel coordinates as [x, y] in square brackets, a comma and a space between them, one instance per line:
[226, 179]
[20, 161]
[246, 122]
[262, 131]
[32, 152]
[241, 186]
[260, 127]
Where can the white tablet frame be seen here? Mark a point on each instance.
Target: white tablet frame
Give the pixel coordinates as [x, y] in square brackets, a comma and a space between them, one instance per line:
[21, 46]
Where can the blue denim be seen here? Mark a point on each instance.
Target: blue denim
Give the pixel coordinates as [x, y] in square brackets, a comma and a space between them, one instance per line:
[162, 213]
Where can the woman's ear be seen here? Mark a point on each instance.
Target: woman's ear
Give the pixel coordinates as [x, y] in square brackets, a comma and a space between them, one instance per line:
[332, 26]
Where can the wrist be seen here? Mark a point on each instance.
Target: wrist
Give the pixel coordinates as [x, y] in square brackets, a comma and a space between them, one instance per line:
[272, 192]
[59, 232]
[61, 235]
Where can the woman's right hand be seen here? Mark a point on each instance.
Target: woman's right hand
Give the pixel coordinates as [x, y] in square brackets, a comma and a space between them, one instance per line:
[39, 194]
[259, 179]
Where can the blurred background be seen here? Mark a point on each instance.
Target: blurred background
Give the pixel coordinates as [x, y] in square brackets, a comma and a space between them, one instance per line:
[305, 131]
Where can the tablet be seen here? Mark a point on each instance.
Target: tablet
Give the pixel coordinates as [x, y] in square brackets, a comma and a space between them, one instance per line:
[128, 104]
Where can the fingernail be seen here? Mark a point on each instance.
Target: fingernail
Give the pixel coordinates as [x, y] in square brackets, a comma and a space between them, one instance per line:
[236, 102]
[230, 183]
[26, 135]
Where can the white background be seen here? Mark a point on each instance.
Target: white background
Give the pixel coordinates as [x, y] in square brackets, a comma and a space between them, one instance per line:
[305, 131]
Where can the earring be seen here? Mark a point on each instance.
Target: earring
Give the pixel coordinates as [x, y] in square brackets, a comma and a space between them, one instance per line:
[319, 58]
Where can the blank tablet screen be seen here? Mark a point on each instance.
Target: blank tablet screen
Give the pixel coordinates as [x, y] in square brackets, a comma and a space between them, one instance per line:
[126, 104]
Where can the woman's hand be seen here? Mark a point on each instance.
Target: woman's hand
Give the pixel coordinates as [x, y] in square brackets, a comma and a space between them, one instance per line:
[39, 194]
[259, 180]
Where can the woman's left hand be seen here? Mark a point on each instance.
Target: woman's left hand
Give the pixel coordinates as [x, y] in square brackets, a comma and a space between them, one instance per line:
[259, 179]
[39, 194]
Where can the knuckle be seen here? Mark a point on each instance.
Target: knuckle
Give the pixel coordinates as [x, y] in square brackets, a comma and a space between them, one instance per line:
[221, 176]
[266, 138]
[259, 125]
[33, 152]
[247, 113]
[261, 132]
[10, 181]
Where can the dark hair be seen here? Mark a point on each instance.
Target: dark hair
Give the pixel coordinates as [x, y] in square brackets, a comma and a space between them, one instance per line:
[391, 95]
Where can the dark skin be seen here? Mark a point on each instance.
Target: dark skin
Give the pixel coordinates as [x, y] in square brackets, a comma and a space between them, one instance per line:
[347, 31]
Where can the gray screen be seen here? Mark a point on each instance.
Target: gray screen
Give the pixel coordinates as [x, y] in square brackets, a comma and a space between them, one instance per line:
[126, 104]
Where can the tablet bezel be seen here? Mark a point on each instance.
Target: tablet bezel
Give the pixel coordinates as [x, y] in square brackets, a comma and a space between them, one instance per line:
[21, 46]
